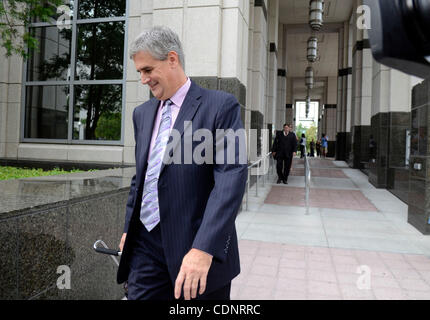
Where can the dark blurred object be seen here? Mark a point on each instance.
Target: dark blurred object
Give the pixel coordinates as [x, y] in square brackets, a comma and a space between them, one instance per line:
[400, 34]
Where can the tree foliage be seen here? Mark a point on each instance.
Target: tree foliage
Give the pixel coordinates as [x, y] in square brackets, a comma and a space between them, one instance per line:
[310, 133]
[15, 17]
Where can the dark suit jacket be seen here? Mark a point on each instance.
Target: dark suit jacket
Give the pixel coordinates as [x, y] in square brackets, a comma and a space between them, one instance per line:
[284, 146]
[198, 203]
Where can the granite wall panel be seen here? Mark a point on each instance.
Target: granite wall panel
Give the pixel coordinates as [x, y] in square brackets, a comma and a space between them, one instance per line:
[42, 248]
[9, 259]
[36, 240]
[359, 153]
[419, 178]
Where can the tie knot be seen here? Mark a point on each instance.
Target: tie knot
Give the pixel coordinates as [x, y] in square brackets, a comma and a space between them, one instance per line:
[167, 102]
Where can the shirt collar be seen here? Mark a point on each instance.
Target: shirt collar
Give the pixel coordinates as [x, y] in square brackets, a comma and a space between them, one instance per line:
[179, 97]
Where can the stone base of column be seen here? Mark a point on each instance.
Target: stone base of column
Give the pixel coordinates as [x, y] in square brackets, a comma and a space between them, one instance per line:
[387, 162]
[341, 146]
[419, 190]
[359, 154]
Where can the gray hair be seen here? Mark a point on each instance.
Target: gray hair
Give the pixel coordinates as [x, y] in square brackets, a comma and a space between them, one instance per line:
[158, 42]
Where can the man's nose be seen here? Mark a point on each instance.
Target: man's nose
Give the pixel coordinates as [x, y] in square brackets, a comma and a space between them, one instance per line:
[145, 79]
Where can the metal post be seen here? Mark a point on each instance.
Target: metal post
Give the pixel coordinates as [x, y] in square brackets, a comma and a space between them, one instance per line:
[247, 190]
[264, 172]
[256, 183]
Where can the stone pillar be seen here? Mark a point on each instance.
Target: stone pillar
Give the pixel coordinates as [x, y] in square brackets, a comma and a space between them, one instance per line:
[361, 95]
[10, 104]
[280, 116]
[344, 76]
[272, 66]
[290, 115]
[391, 105]
[4, 81]
[330, 114]
[259, 71]
[419, 162]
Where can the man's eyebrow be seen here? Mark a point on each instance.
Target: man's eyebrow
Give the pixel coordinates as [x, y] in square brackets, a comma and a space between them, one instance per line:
[145, 69]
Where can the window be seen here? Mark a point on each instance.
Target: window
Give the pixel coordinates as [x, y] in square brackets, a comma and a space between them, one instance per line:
[75, 83]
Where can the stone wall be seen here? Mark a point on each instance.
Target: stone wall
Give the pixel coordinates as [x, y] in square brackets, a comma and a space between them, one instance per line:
[48, 222]
[389, 169]
[419, 173]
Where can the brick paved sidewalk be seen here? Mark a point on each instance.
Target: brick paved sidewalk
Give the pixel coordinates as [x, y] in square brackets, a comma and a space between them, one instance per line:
[294, 272]
[354, 244]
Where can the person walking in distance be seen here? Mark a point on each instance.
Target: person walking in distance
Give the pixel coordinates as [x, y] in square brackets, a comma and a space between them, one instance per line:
[283, 150]
[324, 145]
[318, 148]
[312, 146]
[302, 146]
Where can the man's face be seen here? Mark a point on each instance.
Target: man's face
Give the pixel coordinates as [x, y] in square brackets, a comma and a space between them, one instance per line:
[286, 129]
[156, 74]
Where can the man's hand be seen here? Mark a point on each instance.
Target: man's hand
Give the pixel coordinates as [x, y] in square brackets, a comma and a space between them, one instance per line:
[121, 244]
[294, 154]
[194, 269]
[273, 154]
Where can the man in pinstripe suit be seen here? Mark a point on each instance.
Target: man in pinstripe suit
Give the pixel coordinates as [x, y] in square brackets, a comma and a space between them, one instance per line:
[179, 238]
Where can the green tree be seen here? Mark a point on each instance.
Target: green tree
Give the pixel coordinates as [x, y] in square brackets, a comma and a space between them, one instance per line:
[15, 14]
[310, 133]
[109, 127]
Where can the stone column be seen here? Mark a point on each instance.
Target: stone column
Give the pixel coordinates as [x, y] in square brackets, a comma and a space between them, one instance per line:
[272, 66]
[280, 116]
[344, 76]
[10, 104]
[330, 114]
[361, 95]
[290, 109]
[4, 81]
[259, 71]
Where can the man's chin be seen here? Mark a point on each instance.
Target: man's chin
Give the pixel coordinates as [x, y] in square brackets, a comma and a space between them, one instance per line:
[156, 94]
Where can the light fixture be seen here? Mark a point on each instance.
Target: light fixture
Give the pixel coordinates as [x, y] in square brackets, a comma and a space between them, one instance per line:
[308, 104]
[316, 10]
[309, 77]
[312, 49]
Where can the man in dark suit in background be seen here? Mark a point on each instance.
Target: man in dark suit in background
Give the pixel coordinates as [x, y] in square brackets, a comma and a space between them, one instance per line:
[283, 150]
[179, 237]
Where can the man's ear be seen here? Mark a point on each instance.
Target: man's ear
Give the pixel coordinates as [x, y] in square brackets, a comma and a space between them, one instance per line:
[173, 59]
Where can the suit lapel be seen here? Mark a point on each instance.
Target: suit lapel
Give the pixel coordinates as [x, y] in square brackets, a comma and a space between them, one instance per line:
[145, 133]
[186, 113]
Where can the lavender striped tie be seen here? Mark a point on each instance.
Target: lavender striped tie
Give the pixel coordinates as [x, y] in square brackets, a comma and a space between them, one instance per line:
[150, 212]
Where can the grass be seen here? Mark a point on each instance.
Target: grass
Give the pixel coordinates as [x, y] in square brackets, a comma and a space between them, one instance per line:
[7, 173]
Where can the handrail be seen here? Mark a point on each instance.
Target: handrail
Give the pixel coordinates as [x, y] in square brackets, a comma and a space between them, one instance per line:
[263, 158]
[307, 180]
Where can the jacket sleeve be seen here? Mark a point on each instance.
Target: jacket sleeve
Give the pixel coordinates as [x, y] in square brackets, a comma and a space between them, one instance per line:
[132, 194]
[275, 143]
[217, 225]
[294, 143]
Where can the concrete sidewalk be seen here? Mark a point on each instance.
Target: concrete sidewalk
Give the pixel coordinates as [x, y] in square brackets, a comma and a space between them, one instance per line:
[355, 243]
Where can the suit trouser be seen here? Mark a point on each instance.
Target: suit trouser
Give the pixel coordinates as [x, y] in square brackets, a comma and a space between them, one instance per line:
[149, 277]
[283, 167]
